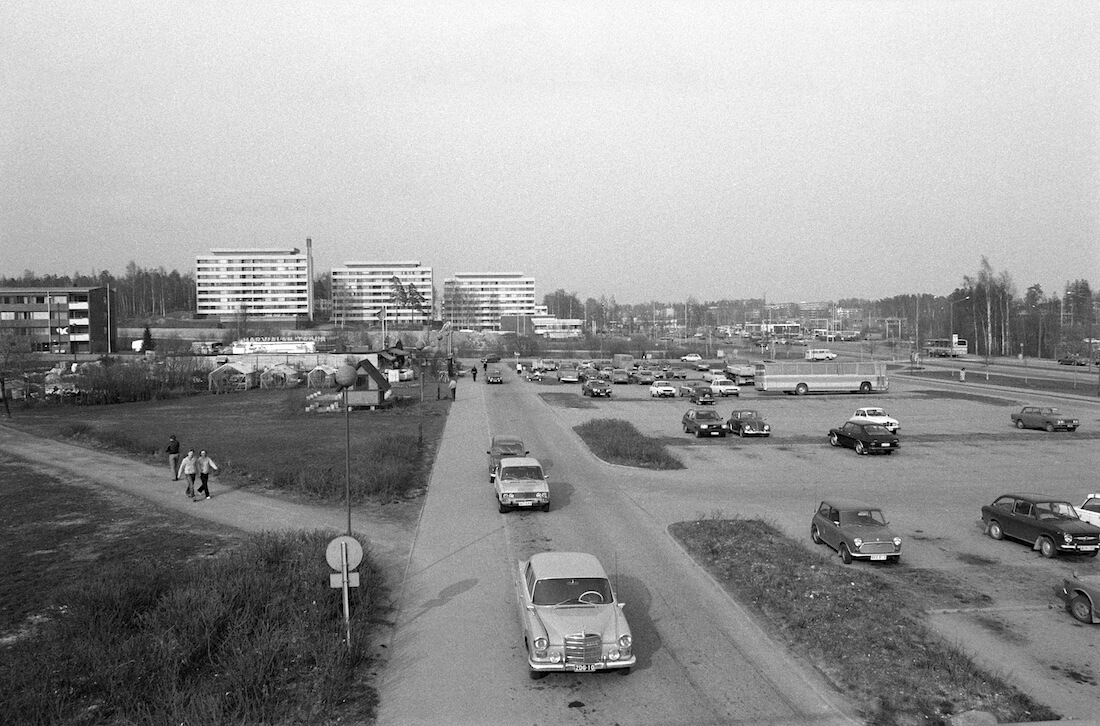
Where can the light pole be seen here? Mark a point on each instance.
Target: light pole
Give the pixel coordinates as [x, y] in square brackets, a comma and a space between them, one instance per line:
[951, 330]
[345, 378]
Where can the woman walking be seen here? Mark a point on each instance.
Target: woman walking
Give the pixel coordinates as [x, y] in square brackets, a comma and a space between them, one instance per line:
[188, 468]
[205, 465]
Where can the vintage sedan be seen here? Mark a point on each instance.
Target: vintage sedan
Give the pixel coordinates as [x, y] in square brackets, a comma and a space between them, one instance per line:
[702, 395]
[571, 619]
[1047, 523]
[502, 446]
[1044, 417]
[1089, 511]
[691, 358]
[495, 376]
[865, 438]
[643, 377]
[520, 484]
[596, 387]
[875, 415]
[748, 422]
[703, 422]
[568, 375]
[724, 387]
[855, 530]
[662, 389]
[1082, 596]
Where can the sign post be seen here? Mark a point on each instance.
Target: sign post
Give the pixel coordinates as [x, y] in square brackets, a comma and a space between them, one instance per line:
[344, 554]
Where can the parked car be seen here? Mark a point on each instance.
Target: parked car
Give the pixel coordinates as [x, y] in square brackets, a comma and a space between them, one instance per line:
[619, 375]
[1044, 417]
[520, 484]
[686, 388]
[596, 387]
[568, 375]
[495, 376]
[674, 373]
[643, 377]
[1047, 523]
[1073, 360]
[571, 618]
[491, 359]
[691, 358]
[748, 422]
[502, 446]
[855, 530]
[1082, 596]
[875, 415]
[724, 387]
[703, 422]
[702, 395]
[662, 389]
[586, 372]
[1090, 509]
[865, 438]
[701, 366]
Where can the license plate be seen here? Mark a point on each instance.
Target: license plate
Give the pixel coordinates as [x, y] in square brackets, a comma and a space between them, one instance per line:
[1086, 548]
[878, 558]
[524, 504]
[584, 668]
[886, 446]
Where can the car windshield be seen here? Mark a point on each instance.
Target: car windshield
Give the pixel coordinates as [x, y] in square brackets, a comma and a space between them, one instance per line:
[874, 412]
[863, 518]
[708, 415]
[521, 472]
[746, 414]
[572, 591]
[1052, 412]
[876, 430]
[1055, 510]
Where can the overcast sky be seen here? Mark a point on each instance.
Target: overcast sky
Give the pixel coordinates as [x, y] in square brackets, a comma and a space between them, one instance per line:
[798, 150]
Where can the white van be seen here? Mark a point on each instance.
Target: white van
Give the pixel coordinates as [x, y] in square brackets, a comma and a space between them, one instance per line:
[820, 354]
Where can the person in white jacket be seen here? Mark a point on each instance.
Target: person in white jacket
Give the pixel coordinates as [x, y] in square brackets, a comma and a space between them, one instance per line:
[205, 466]
[188, 469]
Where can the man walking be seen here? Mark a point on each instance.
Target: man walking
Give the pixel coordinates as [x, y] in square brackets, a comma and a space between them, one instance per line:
[189, 467]
[173, 452]
[205, 466]
[453, 385]
[473, 369]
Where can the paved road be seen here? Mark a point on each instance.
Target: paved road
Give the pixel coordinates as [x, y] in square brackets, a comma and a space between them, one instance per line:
[457, 649]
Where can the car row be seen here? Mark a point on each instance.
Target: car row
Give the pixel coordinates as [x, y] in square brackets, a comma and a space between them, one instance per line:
[708, 422]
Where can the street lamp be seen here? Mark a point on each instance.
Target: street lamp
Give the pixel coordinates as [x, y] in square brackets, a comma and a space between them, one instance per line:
[951, 304]
[345, 378]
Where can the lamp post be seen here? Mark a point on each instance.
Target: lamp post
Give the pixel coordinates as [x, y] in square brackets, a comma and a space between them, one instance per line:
[951, 330]
[345, 378]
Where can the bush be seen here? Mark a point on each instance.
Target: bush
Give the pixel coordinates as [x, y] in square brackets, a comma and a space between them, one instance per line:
[618, 442]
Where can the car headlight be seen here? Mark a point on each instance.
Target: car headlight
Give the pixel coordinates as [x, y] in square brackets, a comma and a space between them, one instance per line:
[544, 495]
[613, 654]
[1067, 537]
[556, 657]
[858, 543]
[897, 541]
[541, 643]
[625, 641]
[507, 495]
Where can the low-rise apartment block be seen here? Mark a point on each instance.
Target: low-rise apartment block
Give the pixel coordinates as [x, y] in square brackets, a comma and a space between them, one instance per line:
[60, 320]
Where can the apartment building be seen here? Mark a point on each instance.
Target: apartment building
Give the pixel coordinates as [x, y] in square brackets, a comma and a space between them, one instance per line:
[367, 292]
[477, 300]
[60, 320]
[256, 283]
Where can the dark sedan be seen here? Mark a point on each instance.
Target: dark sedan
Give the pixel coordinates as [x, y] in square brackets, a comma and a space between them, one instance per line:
[702, 395]
[704, 422]
[1044, 417]
[865, 438]
[501, 447]
[748, 423]
[596, 387]
[1047, 523]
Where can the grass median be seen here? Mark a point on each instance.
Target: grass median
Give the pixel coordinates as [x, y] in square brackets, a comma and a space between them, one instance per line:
[617, 441]
[866, 633]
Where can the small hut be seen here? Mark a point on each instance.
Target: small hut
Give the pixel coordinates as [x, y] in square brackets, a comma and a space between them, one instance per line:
[232, 377]
[371, 388]
[323, 376]
[280, 375]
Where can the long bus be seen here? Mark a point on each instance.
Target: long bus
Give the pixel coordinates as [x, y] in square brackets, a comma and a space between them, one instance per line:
[953, 347]
[822, 377]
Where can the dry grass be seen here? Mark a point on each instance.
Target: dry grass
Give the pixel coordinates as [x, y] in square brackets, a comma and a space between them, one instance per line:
[618, 442]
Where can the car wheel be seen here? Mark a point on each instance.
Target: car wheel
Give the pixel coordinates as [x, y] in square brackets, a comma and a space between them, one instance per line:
[686, 429]
[624, 671]
[1019, 423]
[722, 435]
[1072, 429]
[834, 440]
[546, 507]
[1046, 547]
[994, 530]
[860, 448]
[845, 554]
[1050, 427]
[865, 387]
[699, 434]
[535, 675]
[801, 389]
[502, 508]
[815, 535]
[1081, 608]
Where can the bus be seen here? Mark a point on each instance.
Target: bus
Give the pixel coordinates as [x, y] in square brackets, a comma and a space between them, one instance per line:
[953, 347]
[821, 377]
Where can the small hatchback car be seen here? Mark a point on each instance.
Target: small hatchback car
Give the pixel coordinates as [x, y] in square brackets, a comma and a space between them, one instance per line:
[703, 422]
[520, 484]
[865, 438]
[855, 530]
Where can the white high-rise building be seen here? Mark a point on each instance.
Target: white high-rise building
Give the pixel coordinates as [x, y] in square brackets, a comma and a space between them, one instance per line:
[476, 300]
[362, 292]
[269, 283]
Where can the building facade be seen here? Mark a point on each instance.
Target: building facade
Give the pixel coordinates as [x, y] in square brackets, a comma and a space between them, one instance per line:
[60, 320]
[477, 300]
[255, 283]
[365, 292]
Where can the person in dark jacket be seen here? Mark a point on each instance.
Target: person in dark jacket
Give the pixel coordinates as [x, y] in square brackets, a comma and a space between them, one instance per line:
[173, 452]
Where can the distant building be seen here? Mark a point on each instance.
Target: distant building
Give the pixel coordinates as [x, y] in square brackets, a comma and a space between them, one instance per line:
[477, 300]
[60, 320]
[363, 292]
[255, 283]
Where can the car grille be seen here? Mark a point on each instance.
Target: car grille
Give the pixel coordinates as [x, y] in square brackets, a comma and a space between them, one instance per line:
[1086, 539]
[877, 548]
[583, 648]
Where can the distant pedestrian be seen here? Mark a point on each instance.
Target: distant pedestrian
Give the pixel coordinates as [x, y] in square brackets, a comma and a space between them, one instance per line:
[189, 467]
[173, 452]
[453, 385]
[473, 369]
[484, 366]
[206, 467]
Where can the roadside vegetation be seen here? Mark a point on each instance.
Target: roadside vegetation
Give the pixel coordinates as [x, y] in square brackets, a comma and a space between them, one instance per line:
[177, 622]
[866, 633]
[265, 438]
[618, 442]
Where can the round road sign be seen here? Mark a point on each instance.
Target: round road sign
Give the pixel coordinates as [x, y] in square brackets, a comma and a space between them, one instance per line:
[355, 552]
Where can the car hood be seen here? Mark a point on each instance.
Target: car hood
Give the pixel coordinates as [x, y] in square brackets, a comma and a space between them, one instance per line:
[1075, 526]
[869, 532]
[522, 485]
[571, 620]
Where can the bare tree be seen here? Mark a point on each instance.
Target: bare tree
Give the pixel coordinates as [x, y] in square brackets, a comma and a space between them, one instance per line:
[16, 355]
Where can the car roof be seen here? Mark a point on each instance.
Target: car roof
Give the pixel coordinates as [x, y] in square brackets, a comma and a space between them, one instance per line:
[551, 565]
[1033, 497]
[846, 504]
[519, 461]
[505, 440]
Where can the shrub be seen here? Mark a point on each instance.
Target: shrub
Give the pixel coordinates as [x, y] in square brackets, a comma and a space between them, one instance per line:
[618, 442]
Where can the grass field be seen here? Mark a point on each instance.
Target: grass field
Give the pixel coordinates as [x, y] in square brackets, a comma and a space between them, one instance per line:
[865, 631]
[617, 441]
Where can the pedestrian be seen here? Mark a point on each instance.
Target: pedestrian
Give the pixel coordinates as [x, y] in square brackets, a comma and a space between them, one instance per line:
[173, 452]
[453, 385]
[206, 466]
[484, 366]
[188, 469]
[473, 369]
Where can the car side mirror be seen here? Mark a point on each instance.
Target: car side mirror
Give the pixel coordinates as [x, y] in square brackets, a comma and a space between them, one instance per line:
[489, 453]
[621, 604]
[836, 521]
[530, 608]
[526, 453]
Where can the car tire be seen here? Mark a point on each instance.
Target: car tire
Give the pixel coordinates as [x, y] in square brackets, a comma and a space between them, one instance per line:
[1080, 607]
[845, 554]
[1047, 548]
[834, 440]
[860, 449]
[546, 507]
[624, 671]
[865, 387]
[994, 530]
[816, 536]
[699, 434]
[801, 389]
[722, 435]
[1019, 423]
[536, 675]
[686, 429]
[503, 509]
[1071, 430]
[1050, 427]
